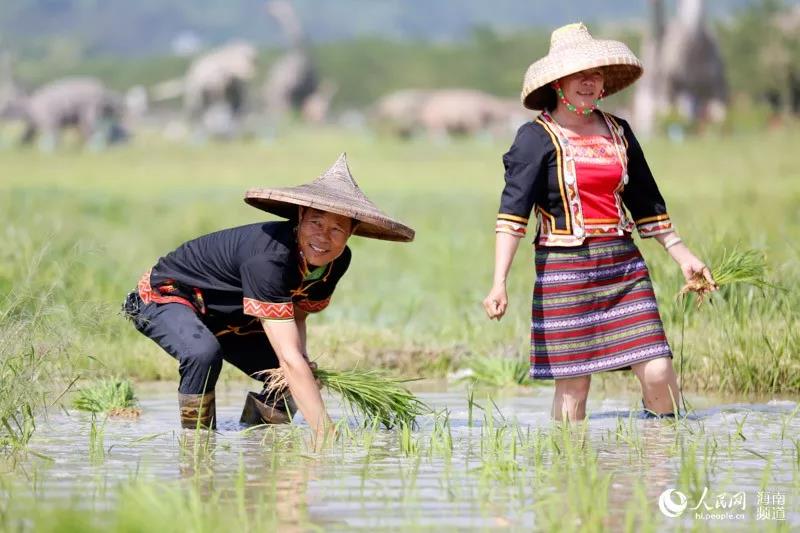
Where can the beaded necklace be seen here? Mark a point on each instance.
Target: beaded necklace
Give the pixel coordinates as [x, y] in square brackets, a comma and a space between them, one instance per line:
[585, 111]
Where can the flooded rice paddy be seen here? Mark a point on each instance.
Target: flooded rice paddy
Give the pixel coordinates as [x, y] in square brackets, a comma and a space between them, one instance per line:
[477, 463]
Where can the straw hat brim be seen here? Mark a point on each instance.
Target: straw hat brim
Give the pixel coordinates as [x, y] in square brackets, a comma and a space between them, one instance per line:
[620, 65]
[372, 222]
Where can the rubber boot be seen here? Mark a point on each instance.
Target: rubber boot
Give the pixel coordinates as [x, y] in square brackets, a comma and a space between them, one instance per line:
[268, 407]
[198, 410]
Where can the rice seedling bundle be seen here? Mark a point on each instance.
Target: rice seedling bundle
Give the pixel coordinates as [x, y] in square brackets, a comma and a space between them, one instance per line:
[369, 392]
[111, 396]
[736, 266]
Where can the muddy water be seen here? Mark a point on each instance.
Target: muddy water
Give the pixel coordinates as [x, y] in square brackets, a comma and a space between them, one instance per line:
[352, 487]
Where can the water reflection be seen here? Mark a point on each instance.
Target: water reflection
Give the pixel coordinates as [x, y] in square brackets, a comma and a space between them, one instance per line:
[466, 477]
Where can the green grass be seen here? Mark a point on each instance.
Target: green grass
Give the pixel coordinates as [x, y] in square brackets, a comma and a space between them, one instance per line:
[498, 372]
[80, 228]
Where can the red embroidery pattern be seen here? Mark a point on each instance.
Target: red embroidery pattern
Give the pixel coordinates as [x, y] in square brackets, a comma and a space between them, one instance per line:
[654, 228]
[594, 149]
[273, 311]
[148, 295]
[568, 152]
[602, 229]
[512, 228]
[511, 224]
[311, 306]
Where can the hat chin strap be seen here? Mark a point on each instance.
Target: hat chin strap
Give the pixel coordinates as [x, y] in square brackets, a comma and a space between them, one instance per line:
[582, 111]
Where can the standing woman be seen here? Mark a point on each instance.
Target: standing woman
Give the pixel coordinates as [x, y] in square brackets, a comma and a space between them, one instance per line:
[580, 169]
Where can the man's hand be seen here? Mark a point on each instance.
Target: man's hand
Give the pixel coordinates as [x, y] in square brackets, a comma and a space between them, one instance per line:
[285, 339]
[313, 366]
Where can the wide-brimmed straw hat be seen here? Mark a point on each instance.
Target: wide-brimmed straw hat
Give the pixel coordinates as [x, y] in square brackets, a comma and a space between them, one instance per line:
[337, 192]
[573, 49]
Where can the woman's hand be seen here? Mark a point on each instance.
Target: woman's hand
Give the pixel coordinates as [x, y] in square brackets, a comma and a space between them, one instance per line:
[693, 269]
[496, 302]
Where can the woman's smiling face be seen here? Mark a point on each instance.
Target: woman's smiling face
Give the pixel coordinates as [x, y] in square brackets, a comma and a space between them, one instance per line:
[322, 236]
[584, 87]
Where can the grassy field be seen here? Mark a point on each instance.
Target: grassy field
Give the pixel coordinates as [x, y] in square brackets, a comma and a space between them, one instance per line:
[80, 228]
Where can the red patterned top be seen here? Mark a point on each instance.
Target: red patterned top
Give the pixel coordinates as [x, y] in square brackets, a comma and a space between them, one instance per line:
[598, 170]
[541, 172]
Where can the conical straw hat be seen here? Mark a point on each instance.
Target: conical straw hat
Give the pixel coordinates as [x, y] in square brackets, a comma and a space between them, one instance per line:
[337, 192]
[573, 49]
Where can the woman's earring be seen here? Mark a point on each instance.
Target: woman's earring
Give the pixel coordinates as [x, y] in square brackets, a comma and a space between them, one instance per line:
[600, 98]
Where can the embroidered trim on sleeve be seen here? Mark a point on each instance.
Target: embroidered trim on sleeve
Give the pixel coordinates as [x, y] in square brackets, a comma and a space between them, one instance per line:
[511, 224]
[312, 306]
[652, 219]
[270, 311]
[512, 228]
[512, 218]
[656, 227]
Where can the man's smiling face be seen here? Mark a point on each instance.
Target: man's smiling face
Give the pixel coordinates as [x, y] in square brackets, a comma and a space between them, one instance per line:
[322, 236]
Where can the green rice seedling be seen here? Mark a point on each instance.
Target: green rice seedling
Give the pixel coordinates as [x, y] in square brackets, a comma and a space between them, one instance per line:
[96, 440]
[766, 476]
[367, 438]
[735, 267]
[441, 438]
[498, 372]
[196, 450]
[538, 449]
[580, 502]
[369, 392]
[690, 479]
[111, 396]
[501, 469]
[500, 444]
[471, 404]
[408, 444]
[711, 452]
[787, 419]
[638, 516]
[408, 478]
[629, 434]
[740, 427]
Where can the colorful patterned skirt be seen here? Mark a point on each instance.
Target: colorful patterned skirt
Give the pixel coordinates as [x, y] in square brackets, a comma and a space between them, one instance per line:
[593, 310]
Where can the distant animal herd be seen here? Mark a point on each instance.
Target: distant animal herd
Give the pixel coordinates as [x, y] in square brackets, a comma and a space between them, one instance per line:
[683, 70]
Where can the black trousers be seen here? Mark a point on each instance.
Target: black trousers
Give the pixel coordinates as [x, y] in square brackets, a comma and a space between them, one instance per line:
[181, 333]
